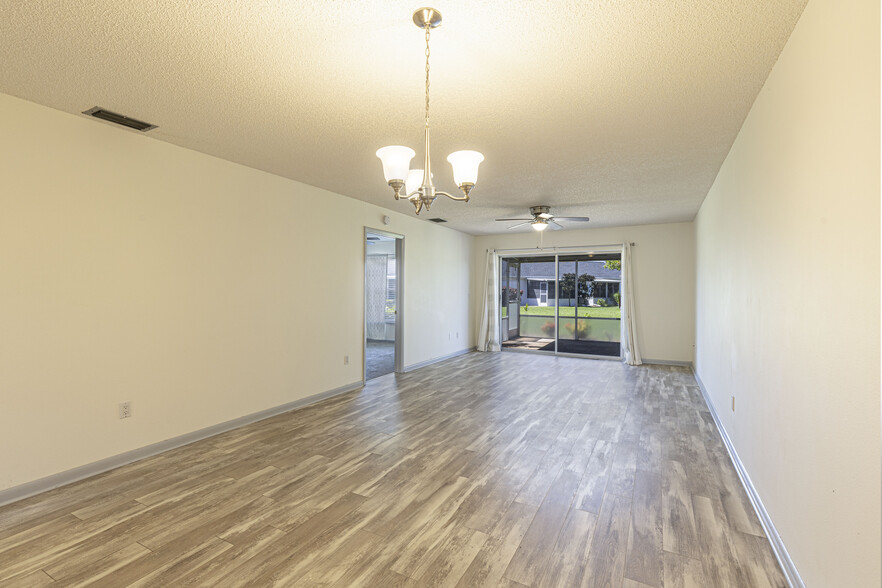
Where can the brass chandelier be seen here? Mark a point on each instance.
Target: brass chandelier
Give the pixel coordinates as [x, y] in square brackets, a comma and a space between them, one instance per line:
[416, 184]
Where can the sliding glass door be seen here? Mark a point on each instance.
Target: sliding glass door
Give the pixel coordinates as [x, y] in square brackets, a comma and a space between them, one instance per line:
[589, 314]
[529, 299]
[511, 299]
[565, 304]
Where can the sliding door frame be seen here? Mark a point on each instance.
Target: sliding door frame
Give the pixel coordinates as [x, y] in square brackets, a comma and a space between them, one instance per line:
[556, 300]
[600, 249]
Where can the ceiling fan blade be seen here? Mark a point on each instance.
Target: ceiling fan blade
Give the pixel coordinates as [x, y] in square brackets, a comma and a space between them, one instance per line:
[554, 226]
[544, 215]
[529, 222]
[582, 219]
[514, 219]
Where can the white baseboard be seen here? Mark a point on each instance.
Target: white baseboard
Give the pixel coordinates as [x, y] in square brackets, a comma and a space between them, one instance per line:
[667, 362]
[73, 475]
[789, 568]
[422, 364]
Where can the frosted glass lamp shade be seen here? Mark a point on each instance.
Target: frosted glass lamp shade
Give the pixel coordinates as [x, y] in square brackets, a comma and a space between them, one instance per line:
[540, 225]
[414, 180]
[396, 161]
[465, 166]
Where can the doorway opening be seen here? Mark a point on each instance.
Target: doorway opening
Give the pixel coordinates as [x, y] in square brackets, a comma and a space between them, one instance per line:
[562, 304]
[383, 254]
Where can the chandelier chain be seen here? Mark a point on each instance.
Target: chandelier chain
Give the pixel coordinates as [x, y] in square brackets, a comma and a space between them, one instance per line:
[428, 29]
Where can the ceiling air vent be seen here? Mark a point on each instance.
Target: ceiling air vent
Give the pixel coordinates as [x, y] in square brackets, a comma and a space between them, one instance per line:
[119, 119]
[438, 220]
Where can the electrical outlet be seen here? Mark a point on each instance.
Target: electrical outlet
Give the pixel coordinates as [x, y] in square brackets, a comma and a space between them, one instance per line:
[125, 410]
[345, 360]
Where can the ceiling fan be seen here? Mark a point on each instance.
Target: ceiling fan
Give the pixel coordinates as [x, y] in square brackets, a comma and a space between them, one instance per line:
[542, 219]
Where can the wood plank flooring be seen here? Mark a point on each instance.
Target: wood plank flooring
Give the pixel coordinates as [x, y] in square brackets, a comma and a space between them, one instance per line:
[486, 470]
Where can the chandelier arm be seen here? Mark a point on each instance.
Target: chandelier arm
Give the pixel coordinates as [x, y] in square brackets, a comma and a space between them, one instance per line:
[452, 197]
[397, 186]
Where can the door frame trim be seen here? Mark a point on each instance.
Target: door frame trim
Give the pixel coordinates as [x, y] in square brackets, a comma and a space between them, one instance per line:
[399, 297]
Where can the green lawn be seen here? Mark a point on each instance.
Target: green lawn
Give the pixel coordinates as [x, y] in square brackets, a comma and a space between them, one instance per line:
[594, 311]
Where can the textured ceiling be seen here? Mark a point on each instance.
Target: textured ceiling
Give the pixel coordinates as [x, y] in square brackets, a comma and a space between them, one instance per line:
[618, 110]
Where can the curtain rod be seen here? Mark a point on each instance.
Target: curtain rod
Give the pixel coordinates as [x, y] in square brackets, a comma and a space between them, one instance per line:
[583, 247]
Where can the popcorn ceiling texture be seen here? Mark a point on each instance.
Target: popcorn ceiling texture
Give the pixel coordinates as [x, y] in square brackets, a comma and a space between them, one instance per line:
[621, 111]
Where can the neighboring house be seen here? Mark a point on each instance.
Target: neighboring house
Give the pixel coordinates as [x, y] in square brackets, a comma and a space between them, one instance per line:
[537, 282]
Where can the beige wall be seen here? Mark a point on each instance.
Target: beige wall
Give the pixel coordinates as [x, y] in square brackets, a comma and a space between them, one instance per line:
[664, 279]
[136, 270]
[788, 294]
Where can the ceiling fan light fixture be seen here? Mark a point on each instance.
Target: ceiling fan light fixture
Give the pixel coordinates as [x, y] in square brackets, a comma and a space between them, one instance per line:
[542, 219]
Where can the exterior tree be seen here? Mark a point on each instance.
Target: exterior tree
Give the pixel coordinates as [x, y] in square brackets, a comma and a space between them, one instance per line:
[587, 286]
[567, 285]
[613, 264]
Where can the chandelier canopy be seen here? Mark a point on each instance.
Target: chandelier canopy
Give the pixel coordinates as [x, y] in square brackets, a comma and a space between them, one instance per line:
[417, 183]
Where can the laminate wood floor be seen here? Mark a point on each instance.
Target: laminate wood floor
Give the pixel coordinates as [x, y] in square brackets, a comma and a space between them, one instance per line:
[500, 469]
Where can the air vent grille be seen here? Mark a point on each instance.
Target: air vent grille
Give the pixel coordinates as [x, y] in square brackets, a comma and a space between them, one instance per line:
[119, 119]
[438, 220]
